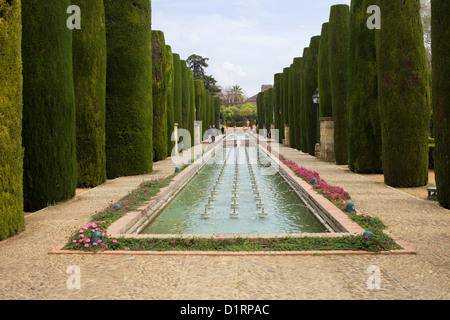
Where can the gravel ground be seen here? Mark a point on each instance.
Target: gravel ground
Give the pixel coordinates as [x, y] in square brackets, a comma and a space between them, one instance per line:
[27, 271]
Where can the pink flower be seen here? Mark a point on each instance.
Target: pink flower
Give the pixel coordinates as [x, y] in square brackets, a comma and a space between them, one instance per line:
[114, 241]
[86, 245]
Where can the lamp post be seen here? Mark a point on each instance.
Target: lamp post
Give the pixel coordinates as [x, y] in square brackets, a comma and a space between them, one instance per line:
[316, 100]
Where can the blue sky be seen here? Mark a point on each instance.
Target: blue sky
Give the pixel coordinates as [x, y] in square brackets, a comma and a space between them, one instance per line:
[247, 41]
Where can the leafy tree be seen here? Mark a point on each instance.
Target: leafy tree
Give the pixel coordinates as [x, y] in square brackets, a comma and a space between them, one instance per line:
[198, 64]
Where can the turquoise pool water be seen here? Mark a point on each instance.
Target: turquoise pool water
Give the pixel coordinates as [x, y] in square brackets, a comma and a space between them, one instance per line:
[286, 213]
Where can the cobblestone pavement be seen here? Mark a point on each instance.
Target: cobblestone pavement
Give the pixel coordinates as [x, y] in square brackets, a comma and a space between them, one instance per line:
[27, 271]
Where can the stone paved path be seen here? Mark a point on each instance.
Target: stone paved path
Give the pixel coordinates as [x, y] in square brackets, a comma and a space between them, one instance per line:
[27, 271]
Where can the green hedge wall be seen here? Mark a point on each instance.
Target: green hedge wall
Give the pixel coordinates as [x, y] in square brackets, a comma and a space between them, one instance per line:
[296, 101]
[49, 120]
[89, 73]
[338, 37]
[129, 104]
[159, 96]
[404, 96]
[326, 102]
[441, 97]
[285, 102]
[169, 80]
[199, 102]
[11, 155]
[185, 94]
[364, 131]
[309, 88]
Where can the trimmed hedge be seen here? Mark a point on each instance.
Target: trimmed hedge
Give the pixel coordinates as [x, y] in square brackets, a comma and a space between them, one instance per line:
[159, 96]
[309, 88]
[169, 80]
[296, 101]
[326, 101]
[11, 85]
[89, 74]
[285, 102]
[185, 94]
[338, 39]
[441, 97]
[49, 119]
[199, 88]
[404, 96]
[364, 131]
[129, 104]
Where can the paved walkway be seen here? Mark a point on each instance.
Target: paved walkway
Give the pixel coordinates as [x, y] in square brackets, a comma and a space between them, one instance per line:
[27, 271]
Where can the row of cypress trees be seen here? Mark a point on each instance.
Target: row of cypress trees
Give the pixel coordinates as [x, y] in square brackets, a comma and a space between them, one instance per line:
[85, 105]
[374, 84]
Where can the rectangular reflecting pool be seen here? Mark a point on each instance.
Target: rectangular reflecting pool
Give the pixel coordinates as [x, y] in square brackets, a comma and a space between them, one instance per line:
[235, 194]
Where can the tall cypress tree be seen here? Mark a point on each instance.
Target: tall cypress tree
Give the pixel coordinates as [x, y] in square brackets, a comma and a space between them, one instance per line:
[339, 33]
[169, 80]
[199, 103]
[303, 115]
[404, 96]
[291, 105]
[309, 87]
[185, 94]
[296, 101]
[217, 105]
[326, 104]
[364, 131]
[89, 73]
[191, 109]
[159, 96]
[11, 85]
[260, 108]
[441, 96]
[285, 104]
[129, 104]
[277, 100]
[49, 120]
[177, 90]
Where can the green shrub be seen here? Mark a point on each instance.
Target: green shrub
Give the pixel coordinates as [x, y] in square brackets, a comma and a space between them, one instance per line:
[11, 155]
[404, 96]
[129, 104]
[89, 73]
[49, 119]
[441, 97]
[338, 39]
[364, 131]
[159, 96]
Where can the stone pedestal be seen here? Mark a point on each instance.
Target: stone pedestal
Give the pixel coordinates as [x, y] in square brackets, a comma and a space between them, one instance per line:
[327, 139]
[286, 136]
